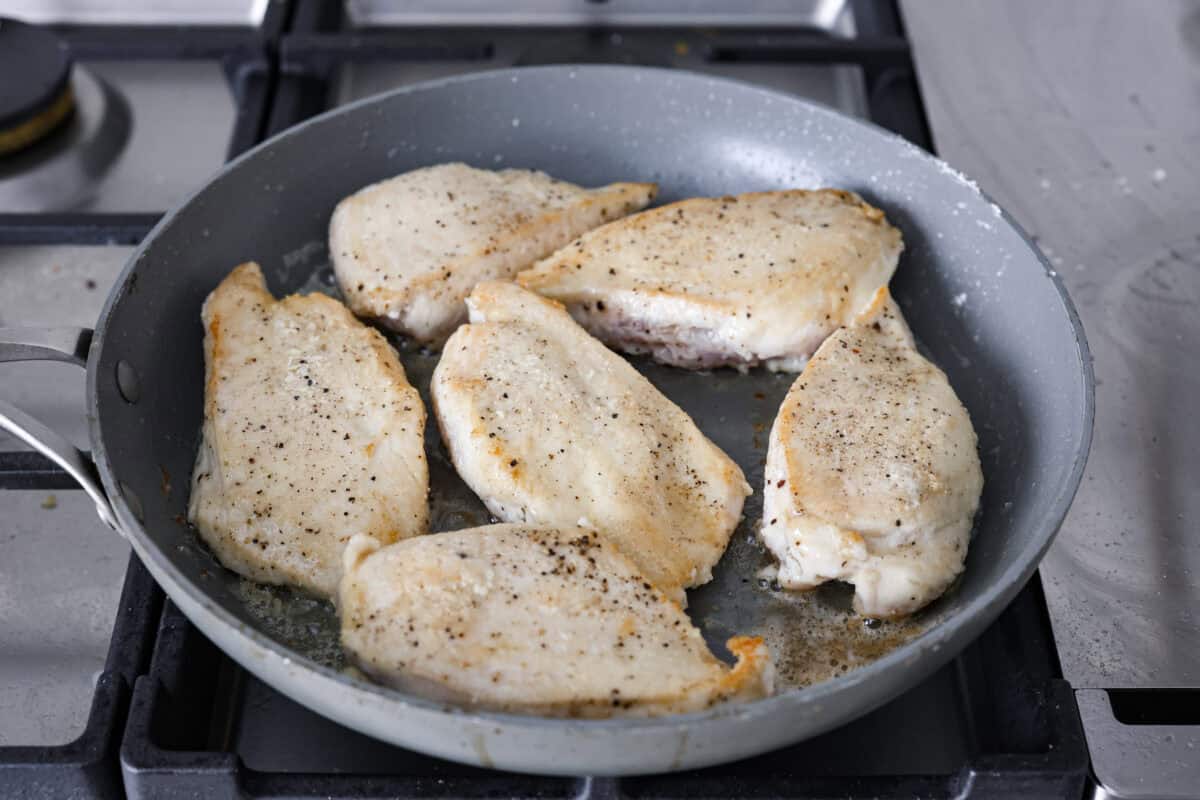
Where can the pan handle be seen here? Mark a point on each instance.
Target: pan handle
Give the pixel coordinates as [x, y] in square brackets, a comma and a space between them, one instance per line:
[45, 344]
[53, 344]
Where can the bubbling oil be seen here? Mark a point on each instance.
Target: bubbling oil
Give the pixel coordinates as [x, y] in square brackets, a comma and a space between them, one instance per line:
[814, 636]
[303, 623]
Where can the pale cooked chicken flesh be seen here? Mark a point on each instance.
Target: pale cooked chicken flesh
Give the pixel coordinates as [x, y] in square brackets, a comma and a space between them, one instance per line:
[725, 281]
[408, 250]
[549, 426]
[532, 620]
[872, 473]
[311, 434]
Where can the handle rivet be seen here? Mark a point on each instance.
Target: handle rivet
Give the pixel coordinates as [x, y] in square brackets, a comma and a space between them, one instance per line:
[127, 382]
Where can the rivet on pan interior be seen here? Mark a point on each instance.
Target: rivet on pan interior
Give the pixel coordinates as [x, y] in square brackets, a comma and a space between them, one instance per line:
[127, 382]
[133, 501]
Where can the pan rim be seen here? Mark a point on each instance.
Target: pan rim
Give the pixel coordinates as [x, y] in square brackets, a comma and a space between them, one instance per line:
[926, 649]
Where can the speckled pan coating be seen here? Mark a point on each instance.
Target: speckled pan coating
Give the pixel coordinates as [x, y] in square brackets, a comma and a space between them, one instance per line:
[989, 309]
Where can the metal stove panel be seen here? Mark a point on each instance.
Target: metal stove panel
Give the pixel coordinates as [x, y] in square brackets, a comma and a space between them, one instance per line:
[60, 578]
[826, 15]
[60, 568]
[137, 12]
[56, 285]
[1138, 761]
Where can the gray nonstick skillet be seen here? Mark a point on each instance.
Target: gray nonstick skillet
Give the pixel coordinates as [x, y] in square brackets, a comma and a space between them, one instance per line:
[983, 302]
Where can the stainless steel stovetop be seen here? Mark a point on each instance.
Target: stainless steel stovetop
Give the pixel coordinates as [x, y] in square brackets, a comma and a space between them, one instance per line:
[151, 126]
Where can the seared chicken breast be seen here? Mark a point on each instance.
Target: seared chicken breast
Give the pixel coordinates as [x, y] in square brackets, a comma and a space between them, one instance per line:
[311, 434]
[872, 473]
[533, 620]
[549, 426]
[725, 281]
[407, 251]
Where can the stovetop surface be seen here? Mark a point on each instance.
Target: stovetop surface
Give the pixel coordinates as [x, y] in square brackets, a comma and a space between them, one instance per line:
[60, 567]
[197, 724]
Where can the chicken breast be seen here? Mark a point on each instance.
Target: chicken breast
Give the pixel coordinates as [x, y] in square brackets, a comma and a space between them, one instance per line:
[408, 250]
[725, 281]
[549, 426]
[872, 471]
[311, 434]
[532, 620]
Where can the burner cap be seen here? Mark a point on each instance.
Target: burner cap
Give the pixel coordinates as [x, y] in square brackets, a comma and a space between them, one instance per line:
[41, 98]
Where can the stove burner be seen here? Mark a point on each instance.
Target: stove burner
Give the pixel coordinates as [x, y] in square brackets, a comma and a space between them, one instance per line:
[41, 99]
[64, 172]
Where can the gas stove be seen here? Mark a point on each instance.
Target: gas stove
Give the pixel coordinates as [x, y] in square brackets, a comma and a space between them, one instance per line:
[107, 689]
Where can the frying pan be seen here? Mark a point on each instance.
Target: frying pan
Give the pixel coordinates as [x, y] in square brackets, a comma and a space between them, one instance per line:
[984, 303]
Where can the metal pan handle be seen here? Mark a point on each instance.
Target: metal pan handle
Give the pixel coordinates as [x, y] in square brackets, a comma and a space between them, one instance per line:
[53, 344]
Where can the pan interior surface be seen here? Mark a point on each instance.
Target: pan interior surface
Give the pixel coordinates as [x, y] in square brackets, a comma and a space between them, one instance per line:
[974, 291]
